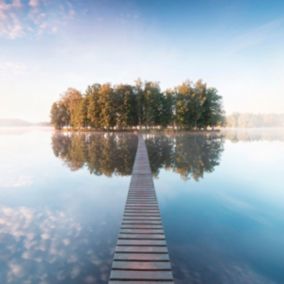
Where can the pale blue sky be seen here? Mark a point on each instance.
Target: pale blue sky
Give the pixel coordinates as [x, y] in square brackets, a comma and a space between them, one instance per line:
[47, 46]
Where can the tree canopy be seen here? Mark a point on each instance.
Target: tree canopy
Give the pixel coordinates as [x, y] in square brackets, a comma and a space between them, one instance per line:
[142, 105]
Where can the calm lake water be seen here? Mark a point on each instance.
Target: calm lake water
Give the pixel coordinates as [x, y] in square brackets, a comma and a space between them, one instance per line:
[221, 199]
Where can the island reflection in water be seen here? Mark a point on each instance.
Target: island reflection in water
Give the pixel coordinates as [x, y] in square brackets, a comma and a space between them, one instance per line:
[102, 153]
[60, 226]
[188, 155]
[216, 228]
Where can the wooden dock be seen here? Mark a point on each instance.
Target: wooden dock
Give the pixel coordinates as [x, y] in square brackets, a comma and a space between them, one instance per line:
[141, 254]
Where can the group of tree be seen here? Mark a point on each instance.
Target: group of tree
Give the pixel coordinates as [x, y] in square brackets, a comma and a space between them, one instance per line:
[250, 120]
[113, 153]
[142, 105]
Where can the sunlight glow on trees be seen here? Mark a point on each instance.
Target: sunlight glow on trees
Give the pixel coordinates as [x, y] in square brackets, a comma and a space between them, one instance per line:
[143, 105]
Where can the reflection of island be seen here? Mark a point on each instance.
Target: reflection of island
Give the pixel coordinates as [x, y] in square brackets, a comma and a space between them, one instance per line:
[189, 155]
[105, 154]
[256, 134]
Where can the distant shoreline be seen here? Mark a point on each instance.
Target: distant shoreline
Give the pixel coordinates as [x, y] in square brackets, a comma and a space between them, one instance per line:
[15, 122]
[35, 126]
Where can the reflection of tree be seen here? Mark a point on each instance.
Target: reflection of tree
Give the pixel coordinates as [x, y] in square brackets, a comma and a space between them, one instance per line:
[250, 135]
[190, 155]
[105, 154]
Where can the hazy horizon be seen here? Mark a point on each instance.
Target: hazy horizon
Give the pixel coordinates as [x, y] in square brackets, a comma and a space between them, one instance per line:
[19, 119]
[48, 46]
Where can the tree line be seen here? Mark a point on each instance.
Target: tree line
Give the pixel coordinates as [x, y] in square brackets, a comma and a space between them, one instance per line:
[250, 120]
[109, 154]
[142, 105]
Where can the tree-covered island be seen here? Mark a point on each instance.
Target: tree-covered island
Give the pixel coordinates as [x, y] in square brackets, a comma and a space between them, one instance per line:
[143, 105]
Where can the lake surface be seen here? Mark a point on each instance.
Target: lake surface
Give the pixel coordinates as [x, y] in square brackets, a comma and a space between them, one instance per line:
[62, 198]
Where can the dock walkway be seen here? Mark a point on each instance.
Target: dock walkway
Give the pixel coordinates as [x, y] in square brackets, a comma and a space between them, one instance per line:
[141, 254]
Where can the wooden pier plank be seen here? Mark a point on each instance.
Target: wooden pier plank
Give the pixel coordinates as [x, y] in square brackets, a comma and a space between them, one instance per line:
[139, 282]
[141, 242]
[141, 231]
[138, 265]
[139, 249]
[140, 275]
[125, 236]
[142, 256]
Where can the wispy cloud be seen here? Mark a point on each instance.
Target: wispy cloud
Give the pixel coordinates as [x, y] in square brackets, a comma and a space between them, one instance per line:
[10, 25]
[254, 36]
[15, 182]
[45, 239]
[19, 18]
[34, 3]
[11, 68]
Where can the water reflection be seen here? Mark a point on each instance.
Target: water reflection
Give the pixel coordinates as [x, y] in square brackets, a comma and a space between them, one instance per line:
[57, 226]
[229, 227]
[188, 155]
[248, 135]
[45, 246]
[102, 153]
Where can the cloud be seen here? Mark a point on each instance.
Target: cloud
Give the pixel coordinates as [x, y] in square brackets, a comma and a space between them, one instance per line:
[10, 25]
[15, 182]
[255, 36]
[34, 3]
[36, 17]
[11, 67]
[54, 244]
[17, 3]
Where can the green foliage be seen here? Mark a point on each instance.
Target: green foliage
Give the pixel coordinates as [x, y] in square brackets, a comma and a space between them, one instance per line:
[187, 106]
[152, 102]
[125, 106]
[60, 116]
[93, 108]
[213, 113]
[106, 105]
[250, 120]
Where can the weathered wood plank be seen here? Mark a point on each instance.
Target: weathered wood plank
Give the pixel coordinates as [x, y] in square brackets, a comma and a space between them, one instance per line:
[125, 236]
[137, 194]
[141, 205]
[141, 242]
[142, 220]
[142, 199]
[140, 275]
[141, 226]
[140, 282]
[137, 213]
[139, 249]
[141, 213]
[141, 265]
[141, 209]
[146, 218]
[142, 256]
[142, 231]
